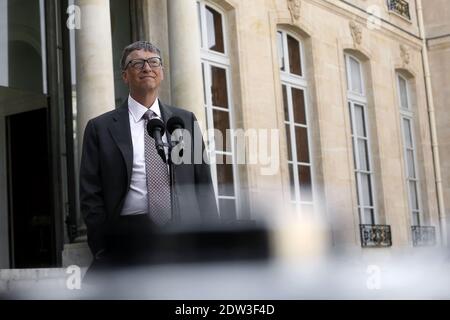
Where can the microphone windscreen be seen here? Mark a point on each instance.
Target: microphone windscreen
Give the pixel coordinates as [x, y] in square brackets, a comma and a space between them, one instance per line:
[155, 124]
[175, 123]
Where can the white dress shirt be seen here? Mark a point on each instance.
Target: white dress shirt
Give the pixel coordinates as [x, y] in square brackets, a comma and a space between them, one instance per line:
[136, 201]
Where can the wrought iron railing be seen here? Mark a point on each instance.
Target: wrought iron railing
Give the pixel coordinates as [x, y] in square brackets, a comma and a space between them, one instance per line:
[375, 235]
[400, 7]
[423, 236]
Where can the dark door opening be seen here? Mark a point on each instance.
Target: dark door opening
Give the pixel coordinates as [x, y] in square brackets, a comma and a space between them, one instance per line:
[30, 211]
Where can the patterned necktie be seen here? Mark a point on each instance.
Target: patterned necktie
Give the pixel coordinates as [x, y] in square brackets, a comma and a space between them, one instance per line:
[158, 183]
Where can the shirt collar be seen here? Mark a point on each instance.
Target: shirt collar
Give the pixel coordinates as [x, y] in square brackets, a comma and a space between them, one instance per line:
[137, 110]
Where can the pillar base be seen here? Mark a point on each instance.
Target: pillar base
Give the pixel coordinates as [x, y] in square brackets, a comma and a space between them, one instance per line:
[77, 253]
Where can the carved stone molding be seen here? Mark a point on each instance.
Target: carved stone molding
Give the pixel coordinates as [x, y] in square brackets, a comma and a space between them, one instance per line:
[294, 8]
[404, 54]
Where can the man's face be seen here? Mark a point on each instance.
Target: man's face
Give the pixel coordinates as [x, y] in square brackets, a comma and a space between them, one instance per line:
[145, 79]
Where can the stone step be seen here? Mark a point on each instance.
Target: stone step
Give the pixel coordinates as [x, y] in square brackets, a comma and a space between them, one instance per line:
[40, 283]
[77, 253]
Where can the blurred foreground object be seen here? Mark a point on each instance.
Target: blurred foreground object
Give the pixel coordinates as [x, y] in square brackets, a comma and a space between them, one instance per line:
[284, 258]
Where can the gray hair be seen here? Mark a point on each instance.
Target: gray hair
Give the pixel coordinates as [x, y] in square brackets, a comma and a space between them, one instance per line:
[138, 45]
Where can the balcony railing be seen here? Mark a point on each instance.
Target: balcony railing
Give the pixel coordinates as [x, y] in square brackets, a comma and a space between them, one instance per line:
[375, 235]
[423, 236]
[400, 7]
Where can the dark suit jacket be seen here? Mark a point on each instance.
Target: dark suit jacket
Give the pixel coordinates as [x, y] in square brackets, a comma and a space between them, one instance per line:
[105, 174]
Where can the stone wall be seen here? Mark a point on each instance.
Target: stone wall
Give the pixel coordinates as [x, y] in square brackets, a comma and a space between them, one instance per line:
[324, 28]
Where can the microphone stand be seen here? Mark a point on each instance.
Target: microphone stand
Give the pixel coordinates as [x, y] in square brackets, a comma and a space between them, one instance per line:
[173, 192]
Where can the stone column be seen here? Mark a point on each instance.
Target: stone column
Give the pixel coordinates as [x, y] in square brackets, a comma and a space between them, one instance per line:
[156, 31]
[94, 85]
[185, 65]
[94, 63]
[4, 73]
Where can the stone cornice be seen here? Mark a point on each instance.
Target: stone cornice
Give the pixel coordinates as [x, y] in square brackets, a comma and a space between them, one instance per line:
[344, 10]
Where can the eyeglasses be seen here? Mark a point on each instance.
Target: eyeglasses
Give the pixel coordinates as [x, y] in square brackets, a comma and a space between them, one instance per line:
[153, 62]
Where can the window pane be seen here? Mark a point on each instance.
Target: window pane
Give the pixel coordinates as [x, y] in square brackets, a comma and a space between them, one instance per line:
[416, 218]
[301, 141]
[22, 55]
[357, 188]
[307, 209]
[413, 195]
[285, 103]
[298, 101]
[215, 32]
[351, 115]
[407, 133]
[291, 180]
[222, 123]
[369, 216]
[289, 144]
[355, 75]
[293, 207]
[220, 158]
[227, 209]
[363, 155]
[219, 91]
[225, 178]
[366, 190]
[304, 176]
[281, 58]
[360, 121]
[294, 56]
[403, 92]
[411, 164]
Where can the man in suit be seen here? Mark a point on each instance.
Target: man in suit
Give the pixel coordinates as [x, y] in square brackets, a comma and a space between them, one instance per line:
[120, 188]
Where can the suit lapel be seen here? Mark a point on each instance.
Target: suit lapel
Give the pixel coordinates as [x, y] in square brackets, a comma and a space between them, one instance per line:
[166, 113]
[121, 133]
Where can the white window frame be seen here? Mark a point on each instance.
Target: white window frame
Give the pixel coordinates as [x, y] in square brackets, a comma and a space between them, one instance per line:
[213, 55]
[210, 58]
[408, 114]
[290, 81]
[4, 59]
[354, 98]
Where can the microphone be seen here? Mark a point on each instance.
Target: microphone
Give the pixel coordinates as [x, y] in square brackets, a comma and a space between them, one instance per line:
[156, 128]
[175, 123]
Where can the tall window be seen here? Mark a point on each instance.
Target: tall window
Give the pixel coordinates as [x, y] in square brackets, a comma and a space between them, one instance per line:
[294, 87]
[357, 103]
[409, 149]
[218, 105]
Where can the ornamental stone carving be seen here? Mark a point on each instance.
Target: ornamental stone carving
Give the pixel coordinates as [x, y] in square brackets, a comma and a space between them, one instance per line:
[356, 31]
[294, 8]
[404, 54]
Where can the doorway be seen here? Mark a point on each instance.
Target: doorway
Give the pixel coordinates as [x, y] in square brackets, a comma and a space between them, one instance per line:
[26, 216]
[30, 216]
[32, 185]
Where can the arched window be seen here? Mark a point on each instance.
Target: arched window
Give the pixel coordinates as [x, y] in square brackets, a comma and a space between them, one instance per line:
[295, 102]
[364, 176]
[409, 148]
[218, 104]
